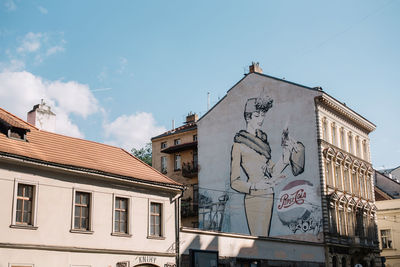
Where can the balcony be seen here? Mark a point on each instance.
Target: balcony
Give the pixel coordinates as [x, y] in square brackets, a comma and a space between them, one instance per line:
[189, 208]
[189, 169]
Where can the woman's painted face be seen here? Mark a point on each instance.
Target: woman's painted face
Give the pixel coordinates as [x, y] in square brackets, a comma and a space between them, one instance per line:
[257, 119]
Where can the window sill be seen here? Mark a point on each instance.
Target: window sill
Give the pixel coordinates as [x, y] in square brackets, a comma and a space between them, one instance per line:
[78, 231]
[22, 226]
[156, 237]
[177, 170]
[121, 234]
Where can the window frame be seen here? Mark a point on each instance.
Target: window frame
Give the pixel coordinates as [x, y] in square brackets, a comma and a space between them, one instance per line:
[35, 194]
[165, 169]
[128, 232]
[389, 238]
[91, 208]
[21, 265]
[175, 162]
[162, 216]
[177, 141]
[164, 145]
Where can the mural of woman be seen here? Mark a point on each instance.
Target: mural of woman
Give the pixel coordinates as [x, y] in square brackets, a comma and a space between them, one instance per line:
[253, 173]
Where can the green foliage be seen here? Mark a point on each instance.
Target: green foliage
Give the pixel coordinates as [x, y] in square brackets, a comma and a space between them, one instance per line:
[144, 153]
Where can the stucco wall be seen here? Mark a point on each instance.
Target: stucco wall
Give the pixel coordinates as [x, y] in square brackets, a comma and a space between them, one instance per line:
[239, 246]
[54, 211]
[293, 109]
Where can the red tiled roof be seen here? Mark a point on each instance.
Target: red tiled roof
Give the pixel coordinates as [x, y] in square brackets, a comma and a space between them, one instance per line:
[77, 153]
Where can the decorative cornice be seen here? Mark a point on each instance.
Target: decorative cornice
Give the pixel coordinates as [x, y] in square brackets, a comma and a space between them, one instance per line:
[332, 104]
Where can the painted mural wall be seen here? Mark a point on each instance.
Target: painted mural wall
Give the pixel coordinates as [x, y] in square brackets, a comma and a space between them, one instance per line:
[259, 171]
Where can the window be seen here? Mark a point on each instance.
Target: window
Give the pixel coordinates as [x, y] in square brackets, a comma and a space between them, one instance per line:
[177, 162]
[346, 179]
[364, 146]
[328, 172]
[25, 199]
[358, 149]
[163, 145]
[24, 204]
[350, 143]
[121, 215]
[164, 164]
[333, 129]
[342, 144]
[82, 211]
[177, 141]
[355, 182]
[155, 219]
[338, 176]
[324, 129]
[195, 159]
[194, 137]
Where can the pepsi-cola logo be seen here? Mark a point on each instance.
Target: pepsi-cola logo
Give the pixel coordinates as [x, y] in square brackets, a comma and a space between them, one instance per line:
[287, 200]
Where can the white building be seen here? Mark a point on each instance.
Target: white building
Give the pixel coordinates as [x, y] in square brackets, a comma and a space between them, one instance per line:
[279, 160]
[71, 202]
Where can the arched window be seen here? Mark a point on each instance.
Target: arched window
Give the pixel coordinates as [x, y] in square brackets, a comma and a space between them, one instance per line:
[334, 261]
[344, 262]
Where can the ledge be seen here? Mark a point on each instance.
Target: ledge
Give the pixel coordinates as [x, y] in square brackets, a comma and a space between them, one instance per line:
[21, 226]
[78, 231]
[156, 237]
[121, 234]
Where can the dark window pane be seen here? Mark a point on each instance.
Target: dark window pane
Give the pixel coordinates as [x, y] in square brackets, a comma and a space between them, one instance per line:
[117, 203]
[19, 204]
[123, 228]
[84, 223]
[123, 204]
[117, 218]
[77, 198]
[20, 190]
[18, 217]
[123, 216]
[85, 212]
[26, 218]
[85, 198]
[28, 205]
[77, 211]
[76, 223]
[28, 192]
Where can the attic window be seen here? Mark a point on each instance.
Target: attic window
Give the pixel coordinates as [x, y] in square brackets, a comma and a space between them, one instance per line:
[13, 131]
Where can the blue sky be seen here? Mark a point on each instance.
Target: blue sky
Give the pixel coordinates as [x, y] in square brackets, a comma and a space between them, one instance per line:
[119, 72]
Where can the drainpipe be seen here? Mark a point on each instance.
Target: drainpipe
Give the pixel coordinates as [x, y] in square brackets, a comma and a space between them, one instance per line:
[177, 200]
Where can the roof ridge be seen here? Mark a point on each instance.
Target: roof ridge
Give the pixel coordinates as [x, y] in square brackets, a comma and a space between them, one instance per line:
[153, 169]
[19, 119]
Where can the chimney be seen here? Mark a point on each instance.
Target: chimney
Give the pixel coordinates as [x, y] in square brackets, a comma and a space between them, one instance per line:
[42, 117]
[191, 117]
[255, 67]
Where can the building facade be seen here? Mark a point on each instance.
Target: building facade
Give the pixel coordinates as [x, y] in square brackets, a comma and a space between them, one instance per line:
[389, 231]
[72, 202]
[283, 160]
[174, 153]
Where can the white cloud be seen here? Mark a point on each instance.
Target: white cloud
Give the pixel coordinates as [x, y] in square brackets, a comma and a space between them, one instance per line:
[54, 49]
[20, 91]
[13, 65]
[31, 42]
[10, 5]
[42, 10]
[122, 64]
[132, 131]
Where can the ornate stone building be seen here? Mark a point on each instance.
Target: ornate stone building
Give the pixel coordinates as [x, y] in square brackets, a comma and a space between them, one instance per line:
[347, 184]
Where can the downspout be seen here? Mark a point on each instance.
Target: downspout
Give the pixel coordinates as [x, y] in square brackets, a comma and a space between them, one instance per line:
[177, 200]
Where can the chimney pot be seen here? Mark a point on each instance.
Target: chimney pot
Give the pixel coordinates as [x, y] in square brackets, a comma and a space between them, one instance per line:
[255, 67]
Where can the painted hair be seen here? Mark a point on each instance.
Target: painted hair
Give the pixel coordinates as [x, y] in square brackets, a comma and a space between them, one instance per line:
[257, 104]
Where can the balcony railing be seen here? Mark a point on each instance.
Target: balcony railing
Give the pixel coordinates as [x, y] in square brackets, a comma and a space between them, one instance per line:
[189, 208]
[189, 169]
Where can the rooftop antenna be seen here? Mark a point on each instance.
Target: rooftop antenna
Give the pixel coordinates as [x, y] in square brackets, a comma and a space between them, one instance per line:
[208, 101]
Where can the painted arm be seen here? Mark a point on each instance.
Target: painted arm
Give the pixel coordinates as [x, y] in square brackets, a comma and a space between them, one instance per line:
[237, 182]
